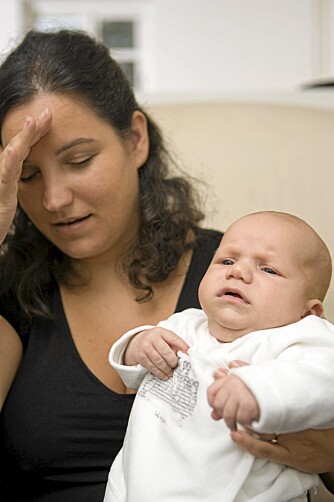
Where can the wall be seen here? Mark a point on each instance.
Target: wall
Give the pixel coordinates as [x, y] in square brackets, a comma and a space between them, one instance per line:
[11, 23]
[202, 47]
[257, 156]
[240, 45]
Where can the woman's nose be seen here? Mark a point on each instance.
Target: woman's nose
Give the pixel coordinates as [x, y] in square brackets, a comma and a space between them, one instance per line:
[239, 271]
[55, 197]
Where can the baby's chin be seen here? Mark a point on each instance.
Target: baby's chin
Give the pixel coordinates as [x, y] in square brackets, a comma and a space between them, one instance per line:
[228, 330]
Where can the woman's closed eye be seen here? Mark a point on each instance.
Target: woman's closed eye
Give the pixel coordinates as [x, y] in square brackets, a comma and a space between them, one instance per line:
[80, 161]
[26, 178]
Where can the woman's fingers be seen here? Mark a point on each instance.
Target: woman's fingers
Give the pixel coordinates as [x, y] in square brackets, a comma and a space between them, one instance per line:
[17, 150]
[8, 189]
[295, 449]
[20, 145]
[219, 373]
[261, 448]
[11, 161]
[237, 364]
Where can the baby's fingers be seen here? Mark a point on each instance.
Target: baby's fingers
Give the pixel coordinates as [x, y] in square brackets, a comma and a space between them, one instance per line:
[156, 364]
[166, 356]
[175, 342]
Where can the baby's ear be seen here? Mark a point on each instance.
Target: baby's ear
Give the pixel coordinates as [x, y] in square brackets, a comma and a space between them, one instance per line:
[314, 307]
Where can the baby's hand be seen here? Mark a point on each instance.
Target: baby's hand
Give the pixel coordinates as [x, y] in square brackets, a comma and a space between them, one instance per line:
[232, 400]
[155, 349]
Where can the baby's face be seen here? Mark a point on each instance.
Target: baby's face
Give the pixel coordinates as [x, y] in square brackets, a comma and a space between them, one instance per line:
[256, 279]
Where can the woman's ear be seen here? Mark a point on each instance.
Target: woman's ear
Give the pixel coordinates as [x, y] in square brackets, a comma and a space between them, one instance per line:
[314, 307]
[139, 138]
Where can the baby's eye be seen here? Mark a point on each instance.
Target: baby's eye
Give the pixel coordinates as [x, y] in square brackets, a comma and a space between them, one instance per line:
[269, 270]
[227, 261]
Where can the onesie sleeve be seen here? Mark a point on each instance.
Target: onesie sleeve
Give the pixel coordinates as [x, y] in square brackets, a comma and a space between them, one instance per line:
[293, 383]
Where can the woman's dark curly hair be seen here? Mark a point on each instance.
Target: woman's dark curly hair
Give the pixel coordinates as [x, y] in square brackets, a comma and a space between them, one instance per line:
[72, 62]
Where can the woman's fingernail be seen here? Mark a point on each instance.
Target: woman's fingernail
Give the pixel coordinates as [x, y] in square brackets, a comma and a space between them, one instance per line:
[234, 364]
[220, 372]
[44, 114]
[27, 121]
[236, 435]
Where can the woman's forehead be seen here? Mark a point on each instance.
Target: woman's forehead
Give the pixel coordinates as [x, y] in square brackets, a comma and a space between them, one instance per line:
[67, 111]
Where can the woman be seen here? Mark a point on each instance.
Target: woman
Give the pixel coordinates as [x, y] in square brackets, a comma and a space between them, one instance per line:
[104, 239]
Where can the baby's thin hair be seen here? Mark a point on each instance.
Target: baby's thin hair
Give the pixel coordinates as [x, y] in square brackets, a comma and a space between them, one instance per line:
[316, 254]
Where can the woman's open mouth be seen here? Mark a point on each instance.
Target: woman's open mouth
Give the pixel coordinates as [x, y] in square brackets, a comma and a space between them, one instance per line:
[72, 221]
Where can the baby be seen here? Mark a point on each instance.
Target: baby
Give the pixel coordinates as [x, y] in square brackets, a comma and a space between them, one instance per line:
[262, 303]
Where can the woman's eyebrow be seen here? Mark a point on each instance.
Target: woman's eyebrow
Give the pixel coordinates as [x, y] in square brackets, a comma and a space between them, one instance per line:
[78, 141]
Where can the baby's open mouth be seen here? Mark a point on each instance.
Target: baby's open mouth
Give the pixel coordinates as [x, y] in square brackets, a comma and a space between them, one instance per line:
[231, 293]
[234, 293]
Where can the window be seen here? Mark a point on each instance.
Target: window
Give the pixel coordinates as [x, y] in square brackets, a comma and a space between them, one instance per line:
[120, 37]
[119, 24]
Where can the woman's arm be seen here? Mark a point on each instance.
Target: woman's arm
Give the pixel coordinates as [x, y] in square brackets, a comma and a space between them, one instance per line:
[11, 159]
[10, 357]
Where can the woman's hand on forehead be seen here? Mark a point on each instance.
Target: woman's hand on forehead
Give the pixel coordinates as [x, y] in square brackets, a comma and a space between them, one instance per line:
[11, 161]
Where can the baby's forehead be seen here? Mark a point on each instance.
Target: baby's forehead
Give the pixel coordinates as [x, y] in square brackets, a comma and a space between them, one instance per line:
[274, 224]
[258, 225]
[257, 220]
[271, 235]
